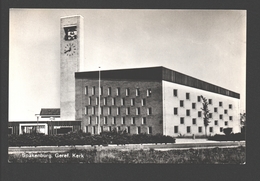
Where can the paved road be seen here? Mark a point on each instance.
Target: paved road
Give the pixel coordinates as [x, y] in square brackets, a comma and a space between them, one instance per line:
[181, 144]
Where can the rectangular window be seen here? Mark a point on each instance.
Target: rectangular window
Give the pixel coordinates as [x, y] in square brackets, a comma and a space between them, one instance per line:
[194, 121]
[93, 90]
[113, 101]
[132, 102]
[182, 120]
[176, 129]
[149, 111]
[118, 91]
[175, 111]
[128, 129]
[143, 102]
[86, 110]
[181, 103]
[210, 129]
[187, 95]
[149, 92]
[109, 128]
[199, 114]
[122, 102]
[230, 118]
[210, 101]
[215, 109]
[105, 101]
[210, 115]
[133, 120]
[220, 104]
[113, 120]
[188, 129]
[175, 92]
[220, 116]
[105, 120]
[127, 110]
[230, 106]
[89, 100]
[198, 98]
[93, 110]
[138, 130]
[221, 129]
[102, 128]
[200, 129]
[118, 111]
[127, 91]
[226, 123]
[144, 120]
[193, 105]
[137, 92]
[122, 120]
[187, 112]
[86, 129]
[138, 111]
[86, 90]
[109, 91]
[109, 110]
[216, 122]
[149, 130]
[225, 111]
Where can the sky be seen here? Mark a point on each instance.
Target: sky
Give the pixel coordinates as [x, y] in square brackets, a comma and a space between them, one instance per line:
[206, 44]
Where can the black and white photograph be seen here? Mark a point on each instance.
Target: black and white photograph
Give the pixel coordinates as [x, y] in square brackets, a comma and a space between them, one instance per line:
[127, 86]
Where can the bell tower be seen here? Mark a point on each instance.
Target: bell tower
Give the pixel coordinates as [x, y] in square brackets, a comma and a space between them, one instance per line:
[71, 61]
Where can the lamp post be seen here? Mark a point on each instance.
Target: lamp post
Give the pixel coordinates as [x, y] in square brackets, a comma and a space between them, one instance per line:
[99, 107]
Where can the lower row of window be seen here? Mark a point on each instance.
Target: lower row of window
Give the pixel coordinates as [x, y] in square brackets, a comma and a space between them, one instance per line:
[188, 129]
[93, 129]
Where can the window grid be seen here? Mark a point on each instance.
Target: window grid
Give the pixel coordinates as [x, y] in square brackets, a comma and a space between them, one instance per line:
[175, 111]
[182, 120]
[194, 121]
[187, 112]
[188, 129]
[193, 105]
[181, 103]
[187, 96]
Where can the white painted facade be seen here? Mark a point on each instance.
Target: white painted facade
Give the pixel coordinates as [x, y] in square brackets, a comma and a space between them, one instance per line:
[230, 116]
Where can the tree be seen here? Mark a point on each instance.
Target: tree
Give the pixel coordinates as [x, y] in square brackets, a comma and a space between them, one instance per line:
[243, 121]
[205, 113]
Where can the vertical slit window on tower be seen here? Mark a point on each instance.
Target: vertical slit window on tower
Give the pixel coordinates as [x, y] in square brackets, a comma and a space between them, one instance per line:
[101, 110]
[118, 91]
[149, 130]
[127, 110]
[86, 110]
[105, 120]
[122, 101]
[97, 120]
[143, 102]
[118, 111]
[105, 101]
[138, 130]
[113, 101]
[127, 91]
[113, 120]
[86, 90]
[128, 129]
[149, 92]
[89, 120]
[109, 91]
[133, 120]
[123, 120]
[144, 120]
[138, 111]
[109, 110]
[93, 110]
[132, 102]
[89, 100]
[97, 100]
[101, 90]
[175, 92]
[137, 92]
[93, 90]
[149, 111]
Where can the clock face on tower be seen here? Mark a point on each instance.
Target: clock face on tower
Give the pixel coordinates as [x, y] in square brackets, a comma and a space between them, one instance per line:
[70, 49]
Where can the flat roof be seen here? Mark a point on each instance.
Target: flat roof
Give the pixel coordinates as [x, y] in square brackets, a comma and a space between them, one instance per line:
[156, 74]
